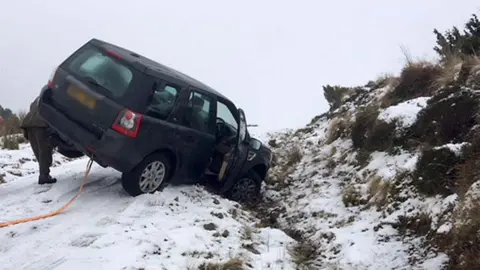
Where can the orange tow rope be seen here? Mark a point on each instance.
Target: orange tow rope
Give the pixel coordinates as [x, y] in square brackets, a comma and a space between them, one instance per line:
[54, 213]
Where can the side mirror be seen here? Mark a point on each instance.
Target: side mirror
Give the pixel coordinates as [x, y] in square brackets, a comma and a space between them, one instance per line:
[255, 144]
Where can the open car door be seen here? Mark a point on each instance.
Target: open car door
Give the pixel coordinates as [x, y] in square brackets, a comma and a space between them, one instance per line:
[239, 154]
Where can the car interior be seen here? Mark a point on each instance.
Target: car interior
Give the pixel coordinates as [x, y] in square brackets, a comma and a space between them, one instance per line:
[224, 146]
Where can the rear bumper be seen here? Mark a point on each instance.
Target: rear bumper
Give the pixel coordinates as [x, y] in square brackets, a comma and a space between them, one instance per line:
[110, 150]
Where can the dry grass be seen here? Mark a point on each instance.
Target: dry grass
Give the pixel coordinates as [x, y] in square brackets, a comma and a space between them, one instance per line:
[339, 128]
[284, 167]
[459, 69]
[450, 71]
[304, 254]
[247, 233]
[386, 79]
[473, 63]
[351, 196]
[294, 156]
[378, 191]
[416, 79]
[231, 264]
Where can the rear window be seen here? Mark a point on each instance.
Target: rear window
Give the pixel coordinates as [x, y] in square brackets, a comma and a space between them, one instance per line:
[94, 65]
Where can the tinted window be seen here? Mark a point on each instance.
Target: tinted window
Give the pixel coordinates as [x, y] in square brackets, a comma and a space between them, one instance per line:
[106, 71]
[198, 113]
[162, 101]
[224, 113]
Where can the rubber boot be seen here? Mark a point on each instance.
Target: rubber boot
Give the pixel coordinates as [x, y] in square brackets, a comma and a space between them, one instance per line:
[46, 179]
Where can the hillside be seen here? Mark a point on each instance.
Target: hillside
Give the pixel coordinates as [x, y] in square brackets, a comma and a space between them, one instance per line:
[388, 178]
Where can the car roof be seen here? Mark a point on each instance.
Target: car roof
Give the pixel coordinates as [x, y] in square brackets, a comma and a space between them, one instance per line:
[151, 64]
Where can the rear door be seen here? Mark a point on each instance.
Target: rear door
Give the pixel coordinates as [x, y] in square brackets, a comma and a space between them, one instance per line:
[236, 163]
[93, 85]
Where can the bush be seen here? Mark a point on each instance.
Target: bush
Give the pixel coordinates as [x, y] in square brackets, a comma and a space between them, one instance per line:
[12, 125]
[435, 171]
[334, 95]
[416, 79]
[461, 243]
[454, 42]
[370, 134]
[381, 136]
[339, 128]
[231, 264]
[448, 119]
[416, 225]
[364, 121]
[5, 112]
[10, 142]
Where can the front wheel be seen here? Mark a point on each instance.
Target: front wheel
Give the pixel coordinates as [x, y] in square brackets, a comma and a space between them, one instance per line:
[246, 189]
[150, 175]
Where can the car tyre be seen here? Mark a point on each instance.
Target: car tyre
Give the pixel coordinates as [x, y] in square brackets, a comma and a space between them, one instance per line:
[152, 174]
[246, 189]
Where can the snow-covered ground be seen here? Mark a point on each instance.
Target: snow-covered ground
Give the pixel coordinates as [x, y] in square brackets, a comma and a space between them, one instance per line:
[179, 228]
[351, 236]
[358, 211]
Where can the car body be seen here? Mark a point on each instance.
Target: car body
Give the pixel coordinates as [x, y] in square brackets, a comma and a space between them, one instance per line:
[154, 124]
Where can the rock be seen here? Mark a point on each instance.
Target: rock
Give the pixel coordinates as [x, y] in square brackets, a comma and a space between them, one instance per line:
[210, 226]
[225, 233]
[218, 215]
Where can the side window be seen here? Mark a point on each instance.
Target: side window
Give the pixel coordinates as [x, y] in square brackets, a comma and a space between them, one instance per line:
[162, 101]
[198, 113]
[226, 114]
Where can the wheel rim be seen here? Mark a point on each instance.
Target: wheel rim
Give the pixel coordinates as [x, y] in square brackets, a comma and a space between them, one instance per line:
[152, 177]
[244, 190]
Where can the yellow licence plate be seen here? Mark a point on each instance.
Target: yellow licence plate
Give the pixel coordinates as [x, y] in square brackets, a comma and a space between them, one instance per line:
[81, 96]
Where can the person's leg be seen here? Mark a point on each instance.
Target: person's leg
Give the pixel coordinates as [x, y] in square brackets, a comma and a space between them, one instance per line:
[33, 142]
[45, 152]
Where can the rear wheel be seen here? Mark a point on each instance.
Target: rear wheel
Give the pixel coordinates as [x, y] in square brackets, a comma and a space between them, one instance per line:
[246, 189]
[150, 175]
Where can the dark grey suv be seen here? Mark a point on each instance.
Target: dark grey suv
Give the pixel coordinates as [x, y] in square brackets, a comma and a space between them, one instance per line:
[154, 124]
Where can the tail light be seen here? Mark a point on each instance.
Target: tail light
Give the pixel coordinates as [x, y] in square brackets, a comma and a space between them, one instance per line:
[52, 77]
[127, 123]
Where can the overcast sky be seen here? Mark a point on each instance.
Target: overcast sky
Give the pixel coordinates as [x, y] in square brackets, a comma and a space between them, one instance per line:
[270, 57]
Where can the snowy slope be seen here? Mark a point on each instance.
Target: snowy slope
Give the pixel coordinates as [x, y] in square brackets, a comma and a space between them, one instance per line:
[179, 228]
[358, 212]
[350, 237]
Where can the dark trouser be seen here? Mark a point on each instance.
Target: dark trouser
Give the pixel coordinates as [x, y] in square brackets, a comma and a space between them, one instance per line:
[42, 148]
